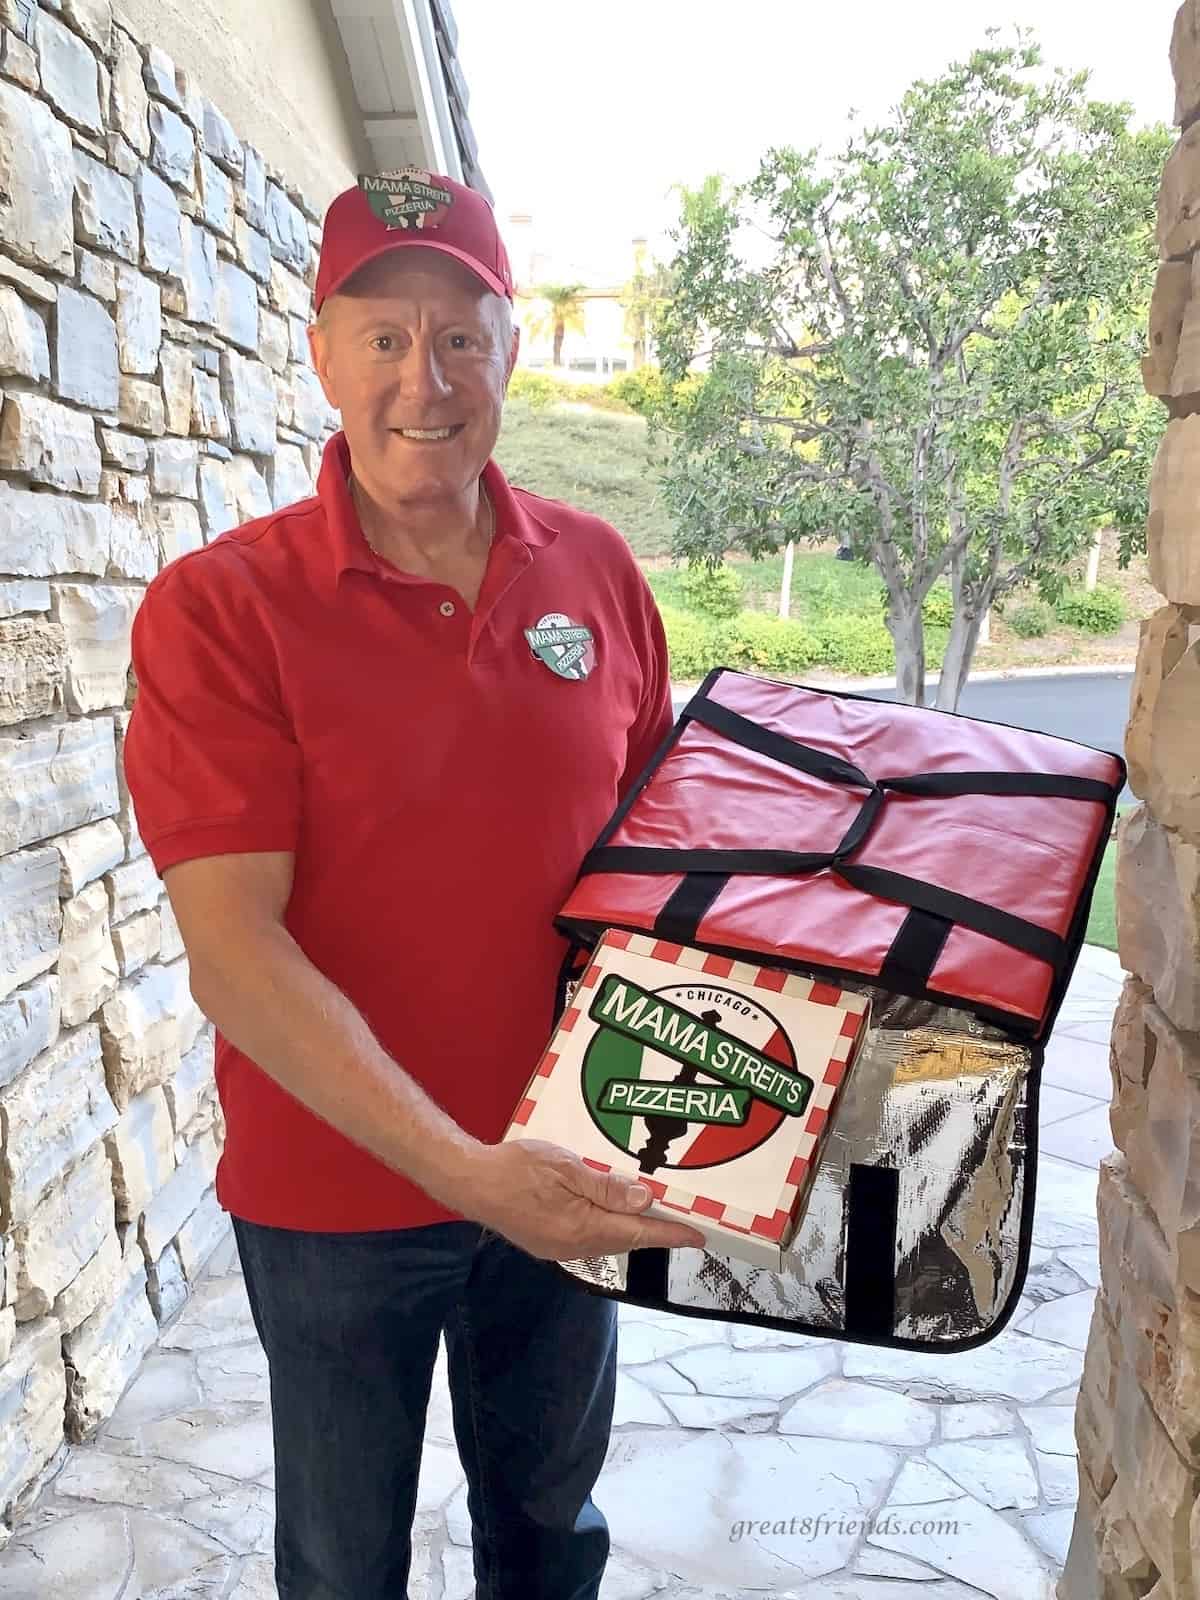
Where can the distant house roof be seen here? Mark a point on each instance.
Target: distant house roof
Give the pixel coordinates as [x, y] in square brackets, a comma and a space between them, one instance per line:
[409, 85]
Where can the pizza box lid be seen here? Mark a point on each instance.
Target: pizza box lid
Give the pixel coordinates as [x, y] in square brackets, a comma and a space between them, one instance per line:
[713, 1081]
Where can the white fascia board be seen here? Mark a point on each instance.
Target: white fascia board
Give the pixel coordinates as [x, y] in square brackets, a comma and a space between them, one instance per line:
[428, 82]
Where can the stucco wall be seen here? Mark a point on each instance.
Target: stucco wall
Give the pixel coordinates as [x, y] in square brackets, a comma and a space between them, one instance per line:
[267, 64]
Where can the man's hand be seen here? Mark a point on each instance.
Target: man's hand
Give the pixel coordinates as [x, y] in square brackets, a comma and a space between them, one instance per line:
[553, 1205]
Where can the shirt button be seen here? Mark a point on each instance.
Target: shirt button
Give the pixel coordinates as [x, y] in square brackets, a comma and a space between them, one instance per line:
[447, 608]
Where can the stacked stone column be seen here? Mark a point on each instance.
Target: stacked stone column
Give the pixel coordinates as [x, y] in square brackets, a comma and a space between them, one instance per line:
[1137, 1535]
[155, 286]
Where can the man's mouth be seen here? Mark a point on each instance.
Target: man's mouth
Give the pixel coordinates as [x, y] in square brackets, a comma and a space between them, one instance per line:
[430, 435]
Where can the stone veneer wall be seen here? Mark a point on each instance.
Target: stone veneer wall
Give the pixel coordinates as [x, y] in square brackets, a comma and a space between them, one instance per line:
[154, 291]
[1137, 1535]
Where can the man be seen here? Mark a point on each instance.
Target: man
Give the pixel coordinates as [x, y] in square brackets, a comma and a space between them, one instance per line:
[375, 734]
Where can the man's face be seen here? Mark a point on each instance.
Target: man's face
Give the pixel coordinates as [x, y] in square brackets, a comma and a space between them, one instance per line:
[415, 353]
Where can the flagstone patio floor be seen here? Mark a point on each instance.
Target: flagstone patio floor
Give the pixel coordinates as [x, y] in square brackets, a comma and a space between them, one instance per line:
[880, 1473]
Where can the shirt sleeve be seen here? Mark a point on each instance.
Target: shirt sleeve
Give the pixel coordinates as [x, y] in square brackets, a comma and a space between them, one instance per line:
[656, 713]
[211, 760]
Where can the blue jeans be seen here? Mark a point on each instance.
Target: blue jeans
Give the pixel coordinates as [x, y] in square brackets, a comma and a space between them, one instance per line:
[350, 1325]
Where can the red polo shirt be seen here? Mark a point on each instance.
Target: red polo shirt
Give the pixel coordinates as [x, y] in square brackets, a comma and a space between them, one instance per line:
[438, 782]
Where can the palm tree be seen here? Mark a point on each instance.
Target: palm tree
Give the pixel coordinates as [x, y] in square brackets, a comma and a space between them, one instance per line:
[564, 313]
[642, 298]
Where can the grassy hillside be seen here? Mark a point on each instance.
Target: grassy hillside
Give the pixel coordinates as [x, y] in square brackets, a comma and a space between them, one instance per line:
[594, 459]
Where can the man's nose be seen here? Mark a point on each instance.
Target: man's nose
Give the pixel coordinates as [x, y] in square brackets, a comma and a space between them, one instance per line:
[424, 377]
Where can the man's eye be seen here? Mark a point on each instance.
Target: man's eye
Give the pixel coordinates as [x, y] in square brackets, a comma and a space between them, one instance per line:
[384, 342]
[460, 341]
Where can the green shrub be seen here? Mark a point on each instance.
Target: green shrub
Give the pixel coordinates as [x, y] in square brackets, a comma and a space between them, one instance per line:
[695, 646]
[770, 644]
[645, 391]
[938, 610]
[715, 592]
[936, 640]
[1031, 619]
[755, 642]
[600, 396]
[752, 642]
[858, 645]
[535, 388]
[1100, 610]
[642, 390]
[542, 389]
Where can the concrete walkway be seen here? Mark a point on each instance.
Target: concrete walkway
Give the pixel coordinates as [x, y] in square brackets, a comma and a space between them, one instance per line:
[944, 1477]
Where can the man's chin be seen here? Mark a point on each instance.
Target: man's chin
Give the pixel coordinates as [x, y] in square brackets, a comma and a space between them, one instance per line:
[402, 479]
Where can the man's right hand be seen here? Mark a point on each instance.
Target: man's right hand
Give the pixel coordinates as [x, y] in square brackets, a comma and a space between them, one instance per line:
[553, 1205]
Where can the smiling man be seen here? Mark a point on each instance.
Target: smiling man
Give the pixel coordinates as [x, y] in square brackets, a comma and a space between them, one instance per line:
[375, 733]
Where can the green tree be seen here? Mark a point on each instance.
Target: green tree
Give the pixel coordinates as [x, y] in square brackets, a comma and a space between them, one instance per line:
[926, 344]
[563, 313]
[642, 301]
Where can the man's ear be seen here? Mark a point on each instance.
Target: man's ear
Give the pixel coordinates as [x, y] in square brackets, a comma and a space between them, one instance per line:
[512, 356]
[318, 348]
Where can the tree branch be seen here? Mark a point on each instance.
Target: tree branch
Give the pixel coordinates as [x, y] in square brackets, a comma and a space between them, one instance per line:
[922, 321]
[1009, 465]
[829, 271]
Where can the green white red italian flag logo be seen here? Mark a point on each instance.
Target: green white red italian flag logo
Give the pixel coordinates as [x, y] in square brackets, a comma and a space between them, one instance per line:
[690, 1075]
[406, 197]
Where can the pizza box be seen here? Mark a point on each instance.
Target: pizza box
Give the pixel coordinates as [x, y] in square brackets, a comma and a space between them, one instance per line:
[713, 1081]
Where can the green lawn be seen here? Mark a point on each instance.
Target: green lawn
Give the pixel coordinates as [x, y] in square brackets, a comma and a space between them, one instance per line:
[1102, 928]
[821, 586]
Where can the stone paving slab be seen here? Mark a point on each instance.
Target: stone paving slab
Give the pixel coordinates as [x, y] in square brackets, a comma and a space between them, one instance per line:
[743, 1462]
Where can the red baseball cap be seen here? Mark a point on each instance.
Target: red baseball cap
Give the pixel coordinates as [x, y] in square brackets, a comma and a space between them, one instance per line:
[406, 207]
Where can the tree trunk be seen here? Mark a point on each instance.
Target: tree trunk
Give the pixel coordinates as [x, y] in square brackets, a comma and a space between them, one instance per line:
[1093, 570]
[960, 652]
[972, 605]
[785, 588]
[560, 329]
[907, 629]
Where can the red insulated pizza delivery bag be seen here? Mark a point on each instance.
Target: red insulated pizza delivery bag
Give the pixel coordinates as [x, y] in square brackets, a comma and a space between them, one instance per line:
[938, 865]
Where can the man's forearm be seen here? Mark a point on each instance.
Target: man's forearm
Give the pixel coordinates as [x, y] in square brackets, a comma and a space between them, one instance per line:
[275, 1006]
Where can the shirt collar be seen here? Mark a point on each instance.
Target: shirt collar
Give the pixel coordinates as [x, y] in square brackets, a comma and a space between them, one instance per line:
[349, 549]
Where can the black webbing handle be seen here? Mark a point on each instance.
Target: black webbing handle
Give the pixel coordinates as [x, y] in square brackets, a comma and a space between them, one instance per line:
[777, 746]
[821, 764]
[1030, 937]
[859, 830]
[669, 863]
[692, 899]
[1022, 785]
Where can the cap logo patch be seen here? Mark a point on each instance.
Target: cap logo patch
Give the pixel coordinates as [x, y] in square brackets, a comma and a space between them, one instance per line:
[406, 198]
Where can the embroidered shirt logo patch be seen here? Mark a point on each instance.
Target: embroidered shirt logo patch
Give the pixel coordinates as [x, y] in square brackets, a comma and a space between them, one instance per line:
[566, 647]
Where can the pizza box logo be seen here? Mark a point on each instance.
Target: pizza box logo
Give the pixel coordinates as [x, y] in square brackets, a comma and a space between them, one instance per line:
[687, 1076]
